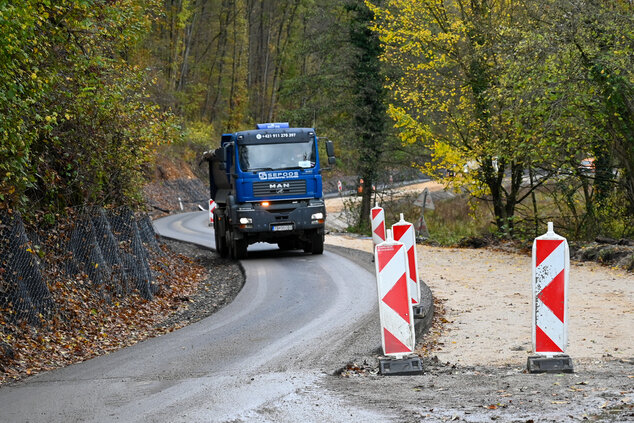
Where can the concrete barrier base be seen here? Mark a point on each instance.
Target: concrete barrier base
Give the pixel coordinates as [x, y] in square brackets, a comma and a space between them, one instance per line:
[554, 364]
[400, 366]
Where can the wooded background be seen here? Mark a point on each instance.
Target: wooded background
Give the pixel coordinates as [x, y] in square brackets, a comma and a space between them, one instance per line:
[502, 100]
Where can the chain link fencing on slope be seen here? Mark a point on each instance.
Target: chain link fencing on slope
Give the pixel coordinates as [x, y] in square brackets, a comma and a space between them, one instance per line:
[169, 196]
[111, 252]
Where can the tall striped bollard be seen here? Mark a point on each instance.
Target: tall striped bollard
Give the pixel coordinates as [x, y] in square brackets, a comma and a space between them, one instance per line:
[377, 218]
[404, 232]
[212, 207]
[395, 309]
[551, 264]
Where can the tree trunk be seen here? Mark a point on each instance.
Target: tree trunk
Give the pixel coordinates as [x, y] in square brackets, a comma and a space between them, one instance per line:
[280, 54]
[189, 31]
[366, 203]
[531, 175]
[221, 57]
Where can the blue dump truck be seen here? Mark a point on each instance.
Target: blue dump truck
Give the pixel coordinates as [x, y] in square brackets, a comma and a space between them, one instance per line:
[267, 186]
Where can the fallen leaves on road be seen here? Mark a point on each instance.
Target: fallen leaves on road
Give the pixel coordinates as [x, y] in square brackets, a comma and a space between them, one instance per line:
[355, 369]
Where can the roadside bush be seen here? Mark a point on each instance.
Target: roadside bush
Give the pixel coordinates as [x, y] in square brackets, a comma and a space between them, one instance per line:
[455, 219]
[455, 216]
[76, 121]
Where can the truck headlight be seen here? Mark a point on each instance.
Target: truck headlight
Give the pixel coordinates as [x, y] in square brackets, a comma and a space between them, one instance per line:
[317, 218]
[246, 223]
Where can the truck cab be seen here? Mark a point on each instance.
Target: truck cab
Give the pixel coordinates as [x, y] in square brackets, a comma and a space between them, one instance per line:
[268, 188]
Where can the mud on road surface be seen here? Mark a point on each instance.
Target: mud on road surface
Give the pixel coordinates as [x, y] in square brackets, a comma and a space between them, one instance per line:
[598, 391]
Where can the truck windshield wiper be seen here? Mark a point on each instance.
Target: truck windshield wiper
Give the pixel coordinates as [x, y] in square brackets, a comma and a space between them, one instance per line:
[260, 169]
[298, 167]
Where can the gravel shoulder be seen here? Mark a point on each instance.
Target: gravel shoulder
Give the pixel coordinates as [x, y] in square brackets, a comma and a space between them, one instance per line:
[222, 283]
[487, 296]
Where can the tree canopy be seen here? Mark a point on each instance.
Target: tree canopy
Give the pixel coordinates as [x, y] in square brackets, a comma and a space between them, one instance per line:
[503, 100]
[509, 93]
[76, 121]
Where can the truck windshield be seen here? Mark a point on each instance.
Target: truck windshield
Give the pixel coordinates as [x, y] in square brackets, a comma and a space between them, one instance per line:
[255, 157]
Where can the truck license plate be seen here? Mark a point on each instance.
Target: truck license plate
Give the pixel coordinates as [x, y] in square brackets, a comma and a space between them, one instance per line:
[278, 228]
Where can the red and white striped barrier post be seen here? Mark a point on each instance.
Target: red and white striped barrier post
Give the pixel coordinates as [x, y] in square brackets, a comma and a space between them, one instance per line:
[404, 232]
[551, 264]
[377, 218]
[212, 207]
[395, 309]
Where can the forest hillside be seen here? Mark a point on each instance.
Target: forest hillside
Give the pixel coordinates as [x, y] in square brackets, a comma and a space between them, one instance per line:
[525, 108]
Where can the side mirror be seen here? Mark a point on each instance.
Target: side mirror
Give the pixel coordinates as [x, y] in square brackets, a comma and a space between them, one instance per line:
[330, 149]
[224, 155]
[219, 155]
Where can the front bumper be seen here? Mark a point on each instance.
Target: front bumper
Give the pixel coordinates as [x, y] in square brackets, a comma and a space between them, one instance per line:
[279, 219]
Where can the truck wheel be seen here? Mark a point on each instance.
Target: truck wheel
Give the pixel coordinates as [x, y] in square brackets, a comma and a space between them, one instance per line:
[318, 244]
[238, 249]
[221, 242]
[315, 245]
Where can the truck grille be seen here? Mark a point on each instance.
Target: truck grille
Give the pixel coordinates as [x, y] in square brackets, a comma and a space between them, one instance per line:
[265, 189]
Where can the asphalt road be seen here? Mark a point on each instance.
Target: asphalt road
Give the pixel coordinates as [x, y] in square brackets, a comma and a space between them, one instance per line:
[264, 357]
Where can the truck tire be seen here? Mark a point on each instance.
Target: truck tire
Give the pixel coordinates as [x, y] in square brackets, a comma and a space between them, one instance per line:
[221, 241]
[318, 244]
[315, 245]
[238, 249]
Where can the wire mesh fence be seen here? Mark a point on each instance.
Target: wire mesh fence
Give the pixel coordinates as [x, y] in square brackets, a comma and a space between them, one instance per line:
[176, 195]
[108, 253]
[22, 287]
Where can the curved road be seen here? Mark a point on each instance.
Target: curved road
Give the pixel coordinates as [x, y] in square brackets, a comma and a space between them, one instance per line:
[267, 356]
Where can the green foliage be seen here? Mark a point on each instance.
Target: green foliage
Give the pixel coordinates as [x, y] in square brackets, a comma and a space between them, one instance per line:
[196, 138]
[452, 220]
[450, 230]
[22, 82]
[370, 121]
[536, 86]
[577, 84]
[76, 121]
[449, 57]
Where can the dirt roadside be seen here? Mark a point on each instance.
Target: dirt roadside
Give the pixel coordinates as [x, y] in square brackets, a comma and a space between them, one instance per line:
[487, 297]
[475, 366]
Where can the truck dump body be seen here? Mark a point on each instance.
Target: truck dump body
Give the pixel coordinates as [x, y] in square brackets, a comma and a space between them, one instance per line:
[267, 184]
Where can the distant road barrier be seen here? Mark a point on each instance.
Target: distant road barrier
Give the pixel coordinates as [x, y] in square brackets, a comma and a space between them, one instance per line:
[377, 219]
